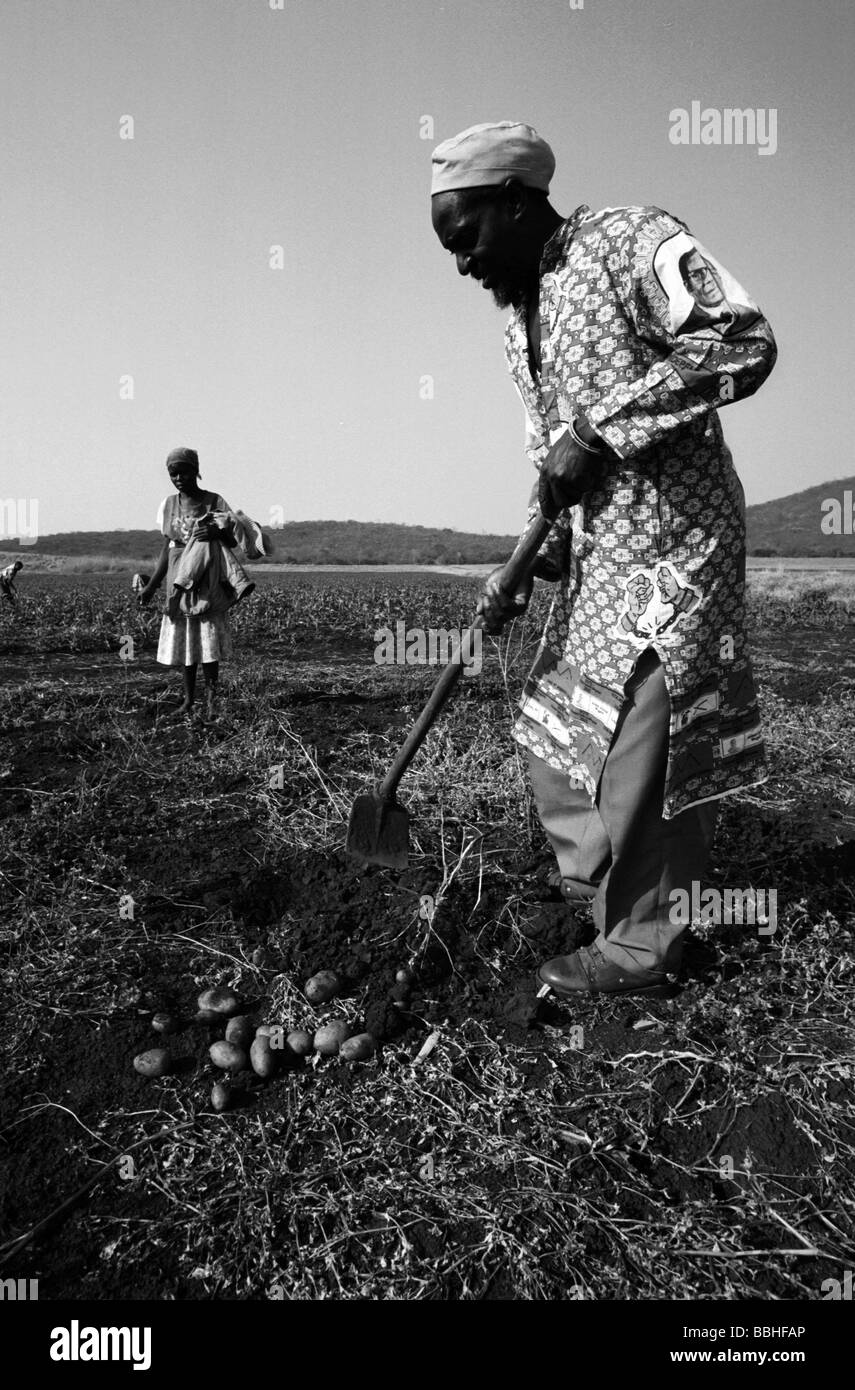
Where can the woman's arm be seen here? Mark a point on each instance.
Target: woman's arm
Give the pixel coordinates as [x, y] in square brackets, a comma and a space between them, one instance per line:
[156, 580]
[226, 522]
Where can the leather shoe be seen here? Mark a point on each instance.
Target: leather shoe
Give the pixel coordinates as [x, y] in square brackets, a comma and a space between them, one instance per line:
[588, 971]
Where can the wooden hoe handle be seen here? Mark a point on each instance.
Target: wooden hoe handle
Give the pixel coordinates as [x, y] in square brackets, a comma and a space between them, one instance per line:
[517, 569]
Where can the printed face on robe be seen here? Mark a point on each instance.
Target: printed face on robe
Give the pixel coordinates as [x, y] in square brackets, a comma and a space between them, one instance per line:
[701, 293]
[701, 280]
[655, 601]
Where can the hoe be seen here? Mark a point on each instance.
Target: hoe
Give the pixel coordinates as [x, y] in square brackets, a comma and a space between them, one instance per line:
[378, 830]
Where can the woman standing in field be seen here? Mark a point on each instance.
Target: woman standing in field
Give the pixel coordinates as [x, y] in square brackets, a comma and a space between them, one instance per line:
[186, 638]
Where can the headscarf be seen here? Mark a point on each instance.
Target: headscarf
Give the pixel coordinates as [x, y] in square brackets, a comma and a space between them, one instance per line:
[182, 455]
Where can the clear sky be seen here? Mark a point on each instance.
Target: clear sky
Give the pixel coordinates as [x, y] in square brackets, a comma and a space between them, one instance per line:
[301, 127]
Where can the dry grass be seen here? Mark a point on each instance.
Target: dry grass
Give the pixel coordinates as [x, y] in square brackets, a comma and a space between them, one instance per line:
[35, 562]
[701, 1147]
[789, 585]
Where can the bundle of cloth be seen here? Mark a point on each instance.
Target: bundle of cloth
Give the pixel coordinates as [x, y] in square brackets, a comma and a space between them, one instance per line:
[208, 577]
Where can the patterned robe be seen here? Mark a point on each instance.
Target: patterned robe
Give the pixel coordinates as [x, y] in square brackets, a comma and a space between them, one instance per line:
[646, 336]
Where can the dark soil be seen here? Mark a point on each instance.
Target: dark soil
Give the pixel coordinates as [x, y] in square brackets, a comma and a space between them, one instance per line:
[313, 910]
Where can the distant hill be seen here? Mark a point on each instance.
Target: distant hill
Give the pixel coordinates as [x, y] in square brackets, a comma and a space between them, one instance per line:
[792, 525]
[130, 545]
[786, 526]
[303, 543]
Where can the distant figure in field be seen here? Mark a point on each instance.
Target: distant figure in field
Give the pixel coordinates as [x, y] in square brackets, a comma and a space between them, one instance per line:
[204, 579]
[7, 581]
[139, 582]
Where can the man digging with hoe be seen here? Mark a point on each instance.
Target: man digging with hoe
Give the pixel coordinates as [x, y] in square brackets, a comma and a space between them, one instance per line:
[640, 710]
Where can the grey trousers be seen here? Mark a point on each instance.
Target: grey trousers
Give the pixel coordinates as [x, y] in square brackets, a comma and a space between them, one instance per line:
[620, 854]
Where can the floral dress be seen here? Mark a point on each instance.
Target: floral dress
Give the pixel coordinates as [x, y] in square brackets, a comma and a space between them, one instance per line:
[647, 335]
[185, 640]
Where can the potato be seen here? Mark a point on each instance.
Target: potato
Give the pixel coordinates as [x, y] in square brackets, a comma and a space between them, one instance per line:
[262, 1057]
[329, 1039]
[240, 1030]
[165, 1023]
[358, 1048]
[322, 987]
[155, 1062]
[300, 1043]
[405, 975]
[221, 1097]
[228, 1056]
[220, 1002]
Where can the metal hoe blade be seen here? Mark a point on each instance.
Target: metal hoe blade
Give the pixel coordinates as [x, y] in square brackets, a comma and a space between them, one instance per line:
[378, 831]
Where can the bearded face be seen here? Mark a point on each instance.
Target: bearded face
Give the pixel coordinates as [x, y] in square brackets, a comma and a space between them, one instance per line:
[477, 229]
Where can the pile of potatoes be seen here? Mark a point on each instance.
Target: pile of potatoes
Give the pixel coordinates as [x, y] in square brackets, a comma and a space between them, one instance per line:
[259, 1047]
